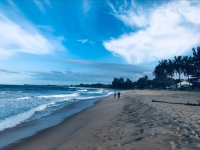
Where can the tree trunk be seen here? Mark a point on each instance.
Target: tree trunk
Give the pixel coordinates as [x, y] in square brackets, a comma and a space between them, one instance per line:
[171, 81]
[189, 82]
[159, 81]
[165, 81]
[180, 79]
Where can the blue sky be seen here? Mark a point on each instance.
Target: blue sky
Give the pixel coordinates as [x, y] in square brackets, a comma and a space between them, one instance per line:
[91, 41]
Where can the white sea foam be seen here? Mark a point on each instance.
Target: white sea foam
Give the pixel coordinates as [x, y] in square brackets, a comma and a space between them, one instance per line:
[89, 97]
[96, 92]
[4, 92]
[17, 119]
[47, 103]
[100, 91]
[110, 93]
[9, 92]
[24, 98]
[84, 90]
[55, 103]
[58, 96]
[63, 100]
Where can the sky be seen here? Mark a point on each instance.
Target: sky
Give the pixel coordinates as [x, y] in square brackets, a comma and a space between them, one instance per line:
[66, 42]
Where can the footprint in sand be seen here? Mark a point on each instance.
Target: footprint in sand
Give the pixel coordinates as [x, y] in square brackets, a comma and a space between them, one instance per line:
[118, 145]
[141, 131]
[79, 146]
[138, 139]
[173, 145]
[99, 148]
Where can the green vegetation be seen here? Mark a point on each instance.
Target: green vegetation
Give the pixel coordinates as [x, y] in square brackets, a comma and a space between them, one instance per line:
[189, 66]
[119, 83]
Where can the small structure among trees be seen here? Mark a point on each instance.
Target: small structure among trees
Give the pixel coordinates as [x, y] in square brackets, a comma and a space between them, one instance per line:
[188, 66]
[184, 84]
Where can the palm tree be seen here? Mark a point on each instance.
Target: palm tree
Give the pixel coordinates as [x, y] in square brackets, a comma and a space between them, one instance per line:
[128, 84]
[121, 82]
[170, 69]
[142, 82]
[163, 65]
[157, 73]
[145, 79]
[178, 66]
[196, 59]
[188, 67]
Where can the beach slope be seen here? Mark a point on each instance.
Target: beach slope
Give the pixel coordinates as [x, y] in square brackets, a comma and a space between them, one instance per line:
[131, 122]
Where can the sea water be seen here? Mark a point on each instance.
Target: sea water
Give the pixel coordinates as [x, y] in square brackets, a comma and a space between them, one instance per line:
[23, 104]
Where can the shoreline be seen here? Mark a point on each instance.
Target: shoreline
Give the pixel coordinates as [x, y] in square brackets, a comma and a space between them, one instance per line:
[131, 122]
[27, 143]
[12, 136]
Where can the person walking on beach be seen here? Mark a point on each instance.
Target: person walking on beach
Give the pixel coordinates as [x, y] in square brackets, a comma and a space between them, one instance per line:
[115, 94]
[118, 94]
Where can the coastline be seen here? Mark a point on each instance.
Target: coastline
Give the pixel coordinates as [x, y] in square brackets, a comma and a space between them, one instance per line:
[71, 127]
[132, 122]
[27, 130]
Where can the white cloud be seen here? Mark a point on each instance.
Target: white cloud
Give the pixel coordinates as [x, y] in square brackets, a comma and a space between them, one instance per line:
[39, 5]
[86, 5]
[19, 35]
[47, 2]
[164, 31]
[86, 41]
[45, 27]
[130, 16]
[83, 40]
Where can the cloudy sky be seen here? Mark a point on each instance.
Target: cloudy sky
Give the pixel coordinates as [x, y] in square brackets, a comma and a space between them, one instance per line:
[91, 41]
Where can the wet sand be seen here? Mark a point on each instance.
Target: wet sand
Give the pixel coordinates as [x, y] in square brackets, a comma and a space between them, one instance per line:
[132, 122]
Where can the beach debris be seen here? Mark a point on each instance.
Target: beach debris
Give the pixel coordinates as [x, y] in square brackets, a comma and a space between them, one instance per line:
[190, 104]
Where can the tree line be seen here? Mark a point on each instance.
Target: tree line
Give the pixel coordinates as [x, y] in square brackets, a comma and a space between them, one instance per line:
[164, 74]
[97, 85]
[189, 66]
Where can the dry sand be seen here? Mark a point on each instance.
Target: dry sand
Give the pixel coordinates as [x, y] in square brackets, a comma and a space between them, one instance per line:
[133, 122]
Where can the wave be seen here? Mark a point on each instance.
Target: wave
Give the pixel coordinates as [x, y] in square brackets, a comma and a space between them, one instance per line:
[110, 93]
[88, 97]
[9, 92]
[91, 97]
[96, 92]
[61, 100]
[55, 101]
[84, 90]
[51, 96]
[17, 119]
[58, 96]
[24, 98]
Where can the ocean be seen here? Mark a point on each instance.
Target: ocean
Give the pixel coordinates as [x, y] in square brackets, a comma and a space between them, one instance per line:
[27, 109]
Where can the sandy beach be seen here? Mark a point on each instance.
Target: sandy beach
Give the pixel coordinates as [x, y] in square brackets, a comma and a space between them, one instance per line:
[132, 122]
